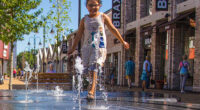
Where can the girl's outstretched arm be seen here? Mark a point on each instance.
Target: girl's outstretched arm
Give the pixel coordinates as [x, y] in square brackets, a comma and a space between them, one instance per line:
[114, 31]
[78, 37]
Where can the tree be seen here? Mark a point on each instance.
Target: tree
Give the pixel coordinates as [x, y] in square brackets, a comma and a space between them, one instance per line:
[25, 56]
[60, 16]
[17, 18]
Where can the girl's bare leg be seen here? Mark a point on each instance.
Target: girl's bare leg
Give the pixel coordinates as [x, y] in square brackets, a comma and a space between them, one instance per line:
[93, 85]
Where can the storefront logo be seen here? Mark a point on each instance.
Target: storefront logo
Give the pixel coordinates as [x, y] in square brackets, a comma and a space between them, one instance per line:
[161, 5]
[116, 13]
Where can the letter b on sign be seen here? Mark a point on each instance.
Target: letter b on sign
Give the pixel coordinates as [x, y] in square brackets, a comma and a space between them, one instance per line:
[161, 5]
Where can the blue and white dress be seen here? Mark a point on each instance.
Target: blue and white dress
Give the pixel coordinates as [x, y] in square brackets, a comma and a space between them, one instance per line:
[94, 43]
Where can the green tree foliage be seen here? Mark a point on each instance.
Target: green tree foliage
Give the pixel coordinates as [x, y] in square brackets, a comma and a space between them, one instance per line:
[60, 16]
[25, 56]
[18, 17]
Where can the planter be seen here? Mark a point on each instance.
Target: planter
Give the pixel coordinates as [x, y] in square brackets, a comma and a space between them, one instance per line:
[159, 84]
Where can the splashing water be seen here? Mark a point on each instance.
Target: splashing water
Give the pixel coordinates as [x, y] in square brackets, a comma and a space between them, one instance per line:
[101, 84]
[79, 70]
[27, 70]
[57, 92]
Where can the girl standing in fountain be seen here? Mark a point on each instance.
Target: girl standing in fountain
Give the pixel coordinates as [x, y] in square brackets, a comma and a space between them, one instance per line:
[94, 42]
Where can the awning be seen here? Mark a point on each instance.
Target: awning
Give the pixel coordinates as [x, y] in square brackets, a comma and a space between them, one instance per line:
[148, 30]
[172, 24]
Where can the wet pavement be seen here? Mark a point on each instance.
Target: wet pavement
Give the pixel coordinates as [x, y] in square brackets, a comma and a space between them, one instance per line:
[119, 98]
[68, 100]
[187, 97]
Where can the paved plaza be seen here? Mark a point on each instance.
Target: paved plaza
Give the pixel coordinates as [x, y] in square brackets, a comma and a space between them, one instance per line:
[118, 98]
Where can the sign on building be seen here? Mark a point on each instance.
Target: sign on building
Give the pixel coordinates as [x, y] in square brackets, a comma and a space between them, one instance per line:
[116, 13]
[64, 47]
[161, 5]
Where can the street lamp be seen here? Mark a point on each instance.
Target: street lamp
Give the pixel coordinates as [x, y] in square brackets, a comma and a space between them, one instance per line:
[34, 52]
[44, 39]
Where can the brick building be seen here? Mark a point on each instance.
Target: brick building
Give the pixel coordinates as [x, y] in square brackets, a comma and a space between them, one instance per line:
[165, 36]
[4, 56]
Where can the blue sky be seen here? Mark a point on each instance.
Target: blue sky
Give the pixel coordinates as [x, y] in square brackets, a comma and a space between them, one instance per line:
[22, 45]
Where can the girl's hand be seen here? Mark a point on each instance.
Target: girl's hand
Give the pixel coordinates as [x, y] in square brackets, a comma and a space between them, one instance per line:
[126, 45]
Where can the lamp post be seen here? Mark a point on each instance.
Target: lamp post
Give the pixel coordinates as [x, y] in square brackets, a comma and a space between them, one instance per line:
[79, 20]
[44, 39]
[34, 51]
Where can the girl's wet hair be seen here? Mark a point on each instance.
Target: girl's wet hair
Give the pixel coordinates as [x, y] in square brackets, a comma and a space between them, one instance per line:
[99, 1]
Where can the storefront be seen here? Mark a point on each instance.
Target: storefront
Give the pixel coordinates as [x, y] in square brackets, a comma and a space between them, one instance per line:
[180, 33]
[146, 33]
[114, 59]
[131, 39]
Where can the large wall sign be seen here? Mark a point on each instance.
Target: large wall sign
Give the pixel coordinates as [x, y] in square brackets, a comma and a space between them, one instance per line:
[162, 5]
[116, 13]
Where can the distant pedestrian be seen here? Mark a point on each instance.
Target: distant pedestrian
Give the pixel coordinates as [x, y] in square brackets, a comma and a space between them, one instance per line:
[184, 71]
[51, 70]
[14, 73]
[130, 69]
[18, 73]
[112, 74]
[146, 73]
[22, 74]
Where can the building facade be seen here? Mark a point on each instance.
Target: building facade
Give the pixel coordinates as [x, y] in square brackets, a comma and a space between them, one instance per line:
[165, 36]
[4, 56]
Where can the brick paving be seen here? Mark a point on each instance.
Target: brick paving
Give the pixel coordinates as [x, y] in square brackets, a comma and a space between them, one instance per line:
[187, 97]
[6, 82]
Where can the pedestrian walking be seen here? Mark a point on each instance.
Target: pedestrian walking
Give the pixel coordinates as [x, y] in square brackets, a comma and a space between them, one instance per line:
[130, 69]
[18, 73]
[184, 71]
[94, 43]
[22, 74]
[14, 72]
[146, 73]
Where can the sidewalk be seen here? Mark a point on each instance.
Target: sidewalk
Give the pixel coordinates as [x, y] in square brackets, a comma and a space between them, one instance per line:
[6, 82]
[187, 97]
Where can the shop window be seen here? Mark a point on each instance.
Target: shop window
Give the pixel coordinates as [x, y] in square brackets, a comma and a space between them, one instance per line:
[147, 46]
[131, 39]
[146, 8]
[189, 49]
[147, 42]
